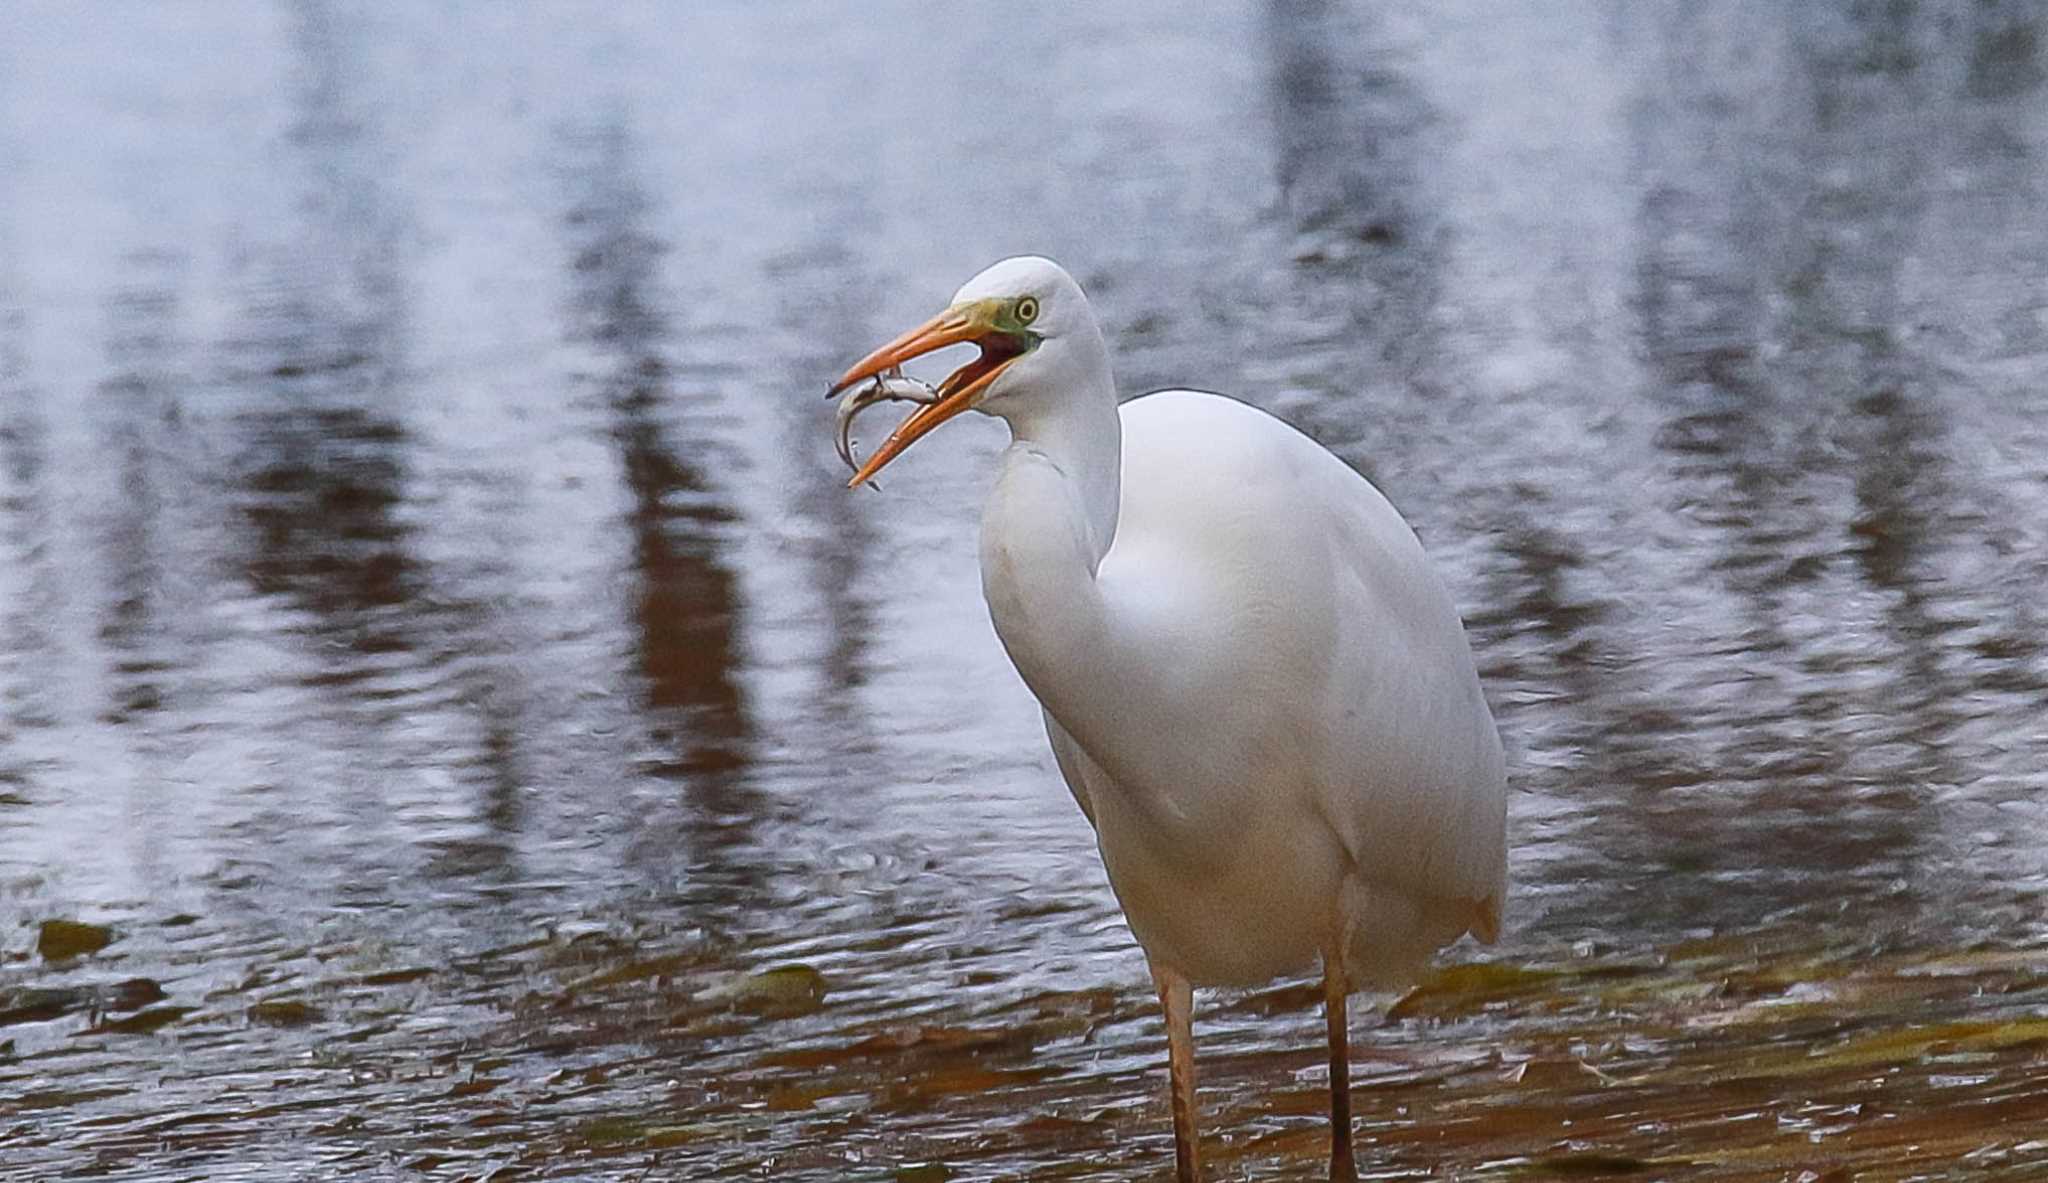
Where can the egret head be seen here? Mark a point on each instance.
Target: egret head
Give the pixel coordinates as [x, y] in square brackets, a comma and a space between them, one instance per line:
[1034, 328]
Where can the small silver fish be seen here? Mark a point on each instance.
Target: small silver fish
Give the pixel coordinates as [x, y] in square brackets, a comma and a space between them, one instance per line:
[891, 387]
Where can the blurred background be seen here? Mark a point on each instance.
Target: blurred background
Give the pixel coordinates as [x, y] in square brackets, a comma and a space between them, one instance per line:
[425, 574]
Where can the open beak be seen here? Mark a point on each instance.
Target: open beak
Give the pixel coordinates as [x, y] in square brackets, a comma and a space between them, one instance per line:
[962, 388]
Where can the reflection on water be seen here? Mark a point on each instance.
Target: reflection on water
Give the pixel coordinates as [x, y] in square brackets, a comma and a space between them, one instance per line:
[686, 606]
[419, 536]
[1366, 250]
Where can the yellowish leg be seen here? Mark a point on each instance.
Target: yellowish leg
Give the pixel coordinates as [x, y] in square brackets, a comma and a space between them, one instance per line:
[1335, 989]
[1176, 998]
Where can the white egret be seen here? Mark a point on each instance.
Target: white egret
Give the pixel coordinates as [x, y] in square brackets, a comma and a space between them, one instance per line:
[1258, 691]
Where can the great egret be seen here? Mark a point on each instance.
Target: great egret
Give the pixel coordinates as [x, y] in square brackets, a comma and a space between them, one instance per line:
[1258, 691]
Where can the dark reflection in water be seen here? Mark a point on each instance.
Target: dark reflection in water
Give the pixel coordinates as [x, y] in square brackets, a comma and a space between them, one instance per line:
[420, 537]
[686, 604]
[323, 466]
[1749, 441]
[824, 282]
[1809, 436]
[140, 411]
[1351, 133]
[25, 589]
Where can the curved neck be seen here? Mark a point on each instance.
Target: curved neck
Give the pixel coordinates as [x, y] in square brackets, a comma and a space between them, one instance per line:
[1090, 456]
[1049, 520]
[1072, 423]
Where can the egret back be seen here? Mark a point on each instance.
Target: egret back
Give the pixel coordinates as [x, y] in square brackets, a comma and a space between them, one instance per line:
[1402, 751]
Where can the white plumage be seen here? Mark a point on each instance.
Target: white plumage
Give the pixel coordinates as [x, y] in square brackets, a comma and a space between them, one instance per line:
[1255, 686]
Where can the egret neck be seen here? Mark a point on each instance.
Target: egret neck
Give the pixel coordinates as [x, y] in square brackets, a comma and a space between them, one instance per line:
[1051, 517]
[1072, 422]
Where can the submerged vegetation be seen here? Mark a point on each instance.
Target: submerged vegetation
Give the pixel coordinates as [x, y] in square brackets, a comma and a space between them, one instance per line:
[605, 1054]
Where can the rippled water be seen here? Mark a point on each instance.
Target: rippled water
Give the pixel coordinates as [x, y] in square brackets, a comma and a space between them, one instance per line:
[427, 594]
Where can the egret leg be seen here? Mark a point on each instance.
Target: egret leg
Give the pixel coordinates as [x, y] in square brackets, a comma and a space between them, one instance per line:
[1336, 987]
[1176, 998]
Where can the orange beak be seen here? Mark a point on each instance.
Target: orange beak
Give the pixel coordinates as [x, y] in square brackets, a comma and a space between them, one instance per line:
[962, 388]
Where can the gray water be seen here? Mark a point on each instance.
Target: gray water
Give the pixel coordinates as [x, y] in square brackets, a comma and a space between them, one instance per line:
[421, 543]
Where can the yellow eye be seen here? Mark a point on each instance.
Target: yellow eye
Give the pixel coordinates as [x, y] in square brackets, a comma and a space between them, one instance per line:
[1027, 309]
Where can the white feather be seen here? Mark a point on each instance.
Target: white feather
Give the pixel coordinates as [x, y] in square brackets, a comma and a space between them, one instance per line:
[1253, 682]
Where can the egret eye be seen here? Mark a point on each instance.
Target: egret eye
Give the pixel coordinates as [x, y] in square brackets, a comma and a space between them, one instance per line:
[1027, 309]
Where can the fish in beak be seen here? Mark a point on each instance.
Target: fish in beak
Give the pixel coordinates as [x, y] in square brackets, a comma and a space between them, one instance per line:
[975, 322]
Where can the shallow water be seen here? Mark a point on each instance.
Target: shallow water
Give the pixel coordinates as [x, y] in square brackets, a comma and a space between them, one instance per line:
[434, 637]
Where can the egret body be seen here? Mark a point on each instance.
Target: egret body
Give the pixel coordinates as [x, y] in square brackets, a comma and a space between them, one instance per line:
[1254, 684]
